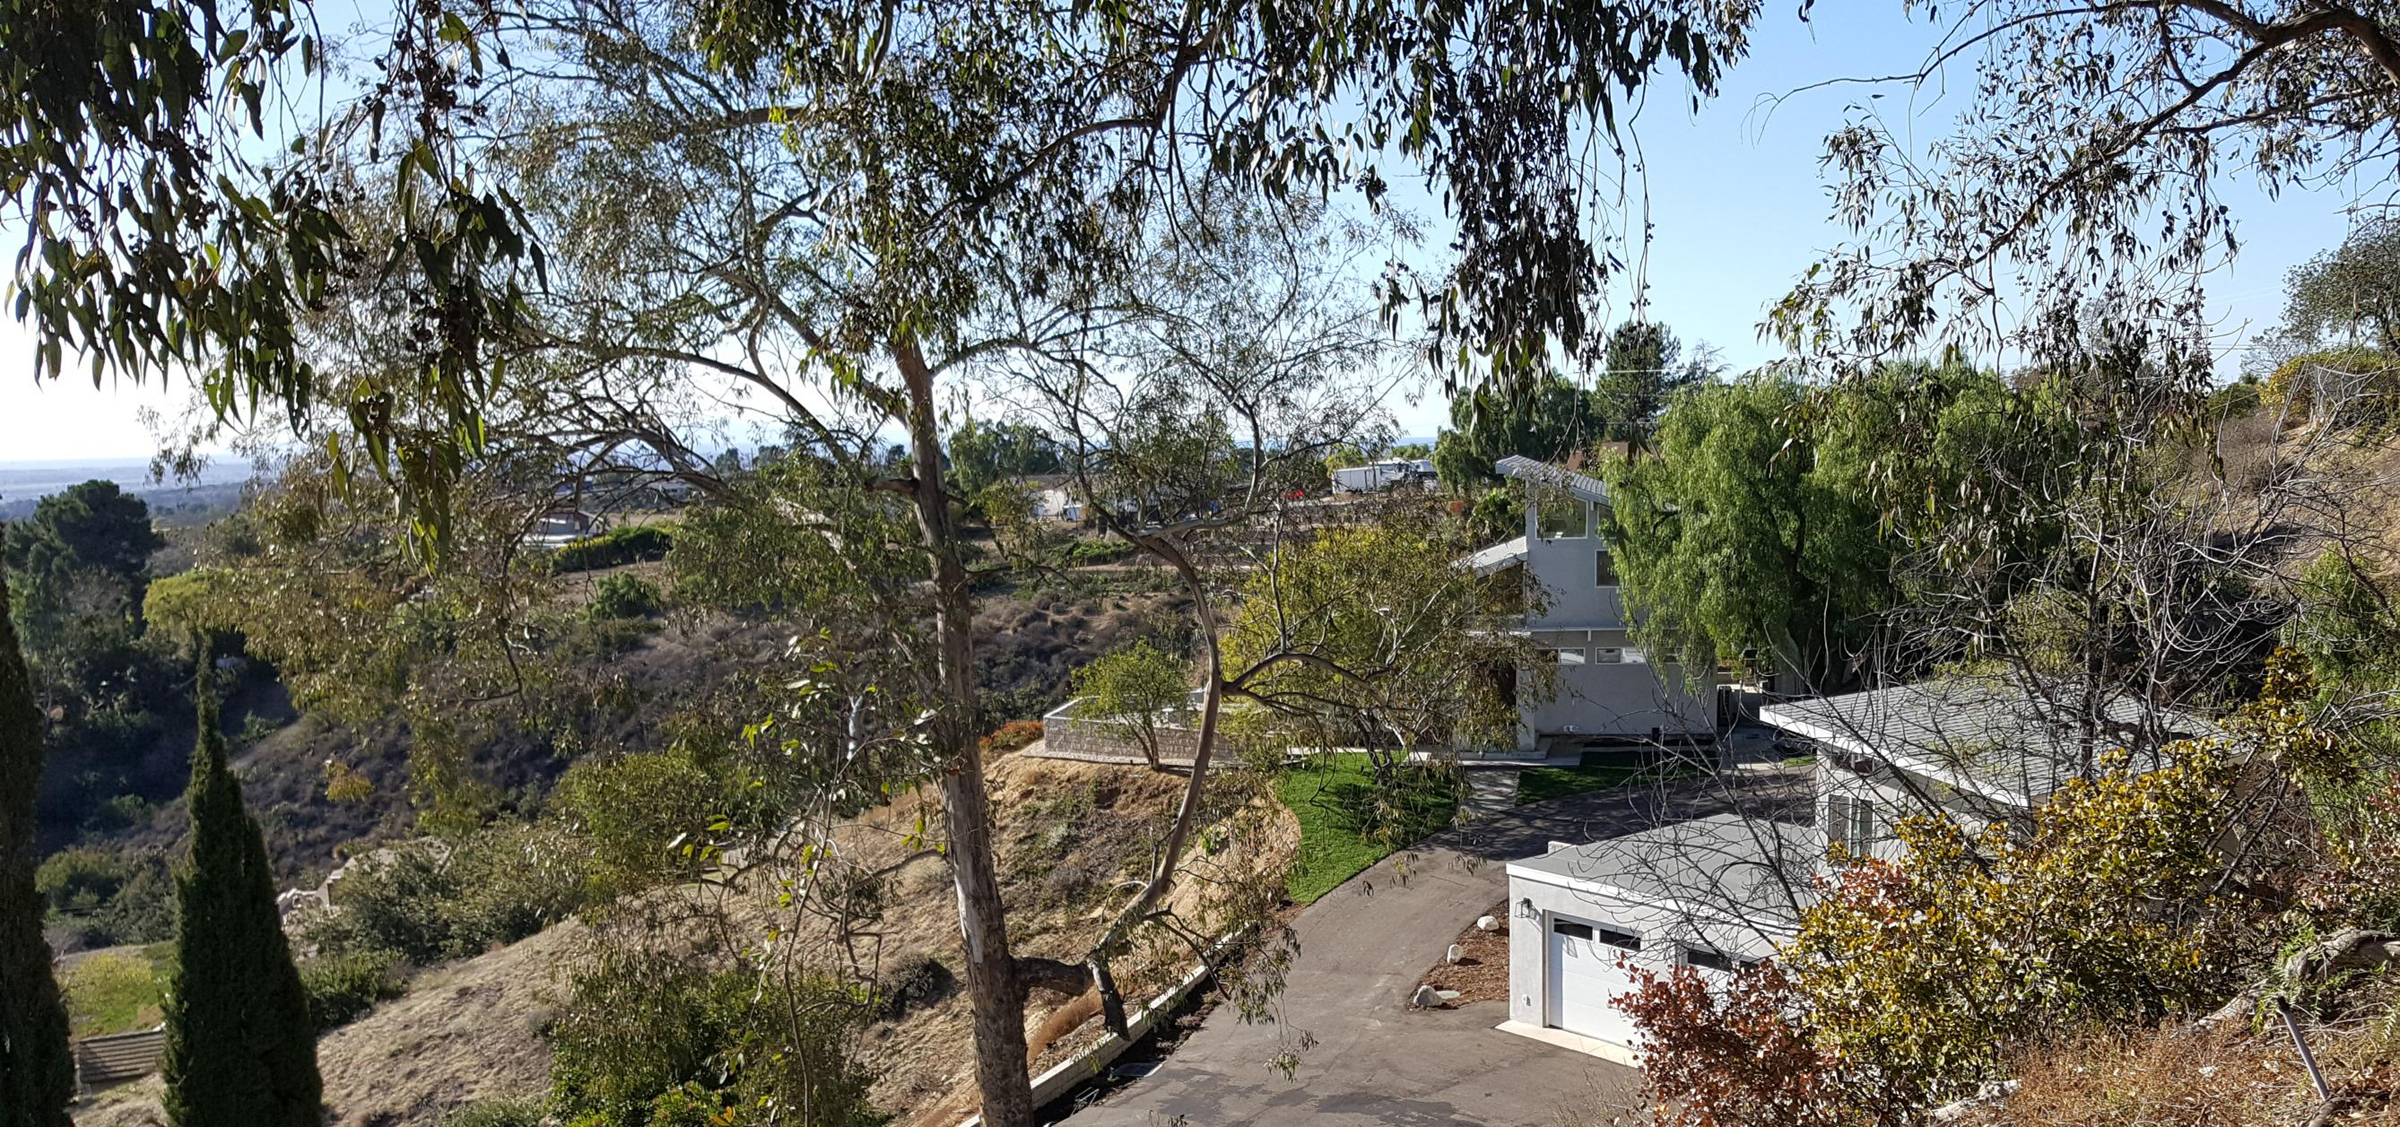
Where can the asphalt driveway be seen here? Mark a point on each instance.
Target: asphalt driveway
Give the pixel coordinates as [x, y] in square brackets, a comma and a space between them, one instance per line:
[1364, 1056]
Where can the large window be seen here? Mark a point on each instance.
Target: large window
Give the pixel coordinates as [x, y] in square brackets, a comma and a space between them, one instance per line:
[1561, 516]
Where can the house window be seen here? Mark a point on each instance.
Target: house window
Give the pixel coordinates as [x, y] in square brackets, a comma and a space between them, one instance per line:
[1562, 516]
[1608, 655]
[1606, 572]
[1569, 655]
[1708, 958]
[1850, 821]
[1621, 940]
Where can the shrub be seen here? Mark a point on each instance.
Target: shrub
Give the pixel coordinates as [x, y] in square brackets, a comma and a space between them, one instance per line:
[427, 901]
[914, 982]
[654, 1037]
[116, 991]
[342, 988]
[80, 879]
[1098, 550]
[496, 1113]
[1012, 737]
[621, 545]
[637, 810]
[107, 898]
[626, 596]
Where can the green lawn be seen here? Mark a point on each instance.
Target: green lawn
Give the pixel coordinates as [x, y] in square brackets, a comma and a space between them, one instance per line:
[1347, 825]
[116, 991]
[1598, 771]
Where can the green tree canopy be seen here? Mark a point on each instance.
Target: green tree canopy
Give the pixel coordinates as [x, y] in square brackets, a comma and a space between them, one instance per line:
[79, 568]
[2350, 294]
[1749, 532]
[1137, 690]
[986, 454]
[1548, 419]
[1642, 368]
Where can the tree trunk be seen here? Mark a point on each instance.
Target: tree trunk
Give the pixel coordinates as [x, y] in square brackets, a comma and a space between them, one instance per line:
[1170, 855]
[994, 992]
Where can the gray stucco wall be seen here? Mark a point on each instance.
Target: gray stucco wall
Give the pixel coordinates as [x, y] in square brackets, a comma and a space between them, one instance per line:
[1626, 699]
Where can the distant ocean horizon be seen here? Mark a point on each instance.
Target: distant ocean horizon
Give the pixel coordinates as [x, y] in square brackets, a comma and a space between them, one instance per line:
[26, 481]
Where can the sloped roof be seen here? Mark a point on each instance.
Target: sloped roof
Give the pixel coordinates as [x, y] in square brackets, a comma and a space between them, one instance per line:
[1981, 735]
[1530, 469]
[1744, 870]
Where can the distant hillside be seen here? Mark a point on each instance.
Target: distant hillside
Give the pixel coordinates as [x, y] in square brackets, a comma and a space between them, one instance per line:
[24, 484]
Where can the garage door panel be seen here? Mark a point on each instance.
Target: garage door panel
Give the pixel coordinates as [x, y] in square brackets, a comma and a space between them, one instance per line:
[1586, 973]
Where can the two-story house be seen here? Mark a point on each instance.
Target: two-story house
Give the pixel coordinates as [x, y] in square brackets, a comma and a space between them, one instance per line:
[1606, 688]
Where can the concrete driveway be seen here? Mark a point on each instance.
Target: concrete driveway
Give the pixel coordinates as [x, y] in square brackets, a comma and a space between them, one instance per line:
[1373, 1060]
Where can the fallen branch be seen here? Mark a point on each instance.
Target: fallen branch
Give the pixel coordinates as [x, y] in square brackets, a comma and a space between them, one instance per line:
[2348, 949]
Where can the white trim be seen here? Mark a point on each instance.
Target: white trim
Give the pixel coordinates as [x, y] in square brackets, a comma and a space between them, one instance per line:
[1573, 1042]
[1943, 773]
[1587, 886]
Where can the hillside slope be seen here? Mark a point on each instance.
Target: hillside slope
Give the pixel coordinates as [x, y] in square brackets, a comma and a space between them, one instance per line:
[1070, 833]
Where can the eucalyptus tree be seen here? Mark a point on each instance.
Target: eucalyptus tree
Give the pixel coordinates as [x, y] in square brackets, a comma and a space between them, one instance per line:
[1240, 352]
[844, 207]
[2081, 185]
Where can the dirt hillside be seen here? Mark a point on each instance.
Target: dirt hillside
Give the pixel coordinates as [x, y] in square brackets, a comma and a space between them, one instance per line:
[1070, 834]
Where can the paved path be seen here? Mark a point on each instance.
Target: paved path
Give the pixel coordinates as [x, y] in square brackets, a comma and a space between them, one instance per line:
[1374, 1060]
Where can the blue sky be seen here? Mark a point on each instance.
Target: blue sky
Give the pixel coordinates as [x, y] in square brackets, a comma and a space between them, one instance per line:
[1736, 202]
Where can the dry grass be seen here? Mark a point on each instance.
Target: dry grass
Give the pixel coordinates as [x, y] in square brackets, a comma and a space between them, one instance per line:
[2241, 1077]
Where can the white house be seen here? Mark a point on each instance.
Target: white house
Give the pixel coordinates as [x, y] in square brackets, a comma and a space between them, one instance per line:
[1714, 892]
[1975, 749]
[1054, 497]
[1711, 894]
[1607, 688]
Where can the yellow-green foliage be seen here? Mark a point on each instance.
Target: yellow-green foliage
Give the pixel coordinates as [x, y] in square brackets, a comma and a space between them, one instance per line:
[2292, 388]
[2110, 906]
[1935, 966]
[1368, 634]
[116, 991]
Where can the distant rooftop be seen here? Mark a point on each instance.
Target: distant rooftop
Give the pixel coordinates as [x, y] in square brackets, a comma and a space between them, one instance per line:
[1736, 869]
[1981, 735]
[1531, 469]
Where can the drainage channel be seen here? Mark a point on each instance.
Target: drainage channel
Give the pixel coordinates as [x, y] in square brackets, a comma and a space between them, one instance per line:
[1140, 1059]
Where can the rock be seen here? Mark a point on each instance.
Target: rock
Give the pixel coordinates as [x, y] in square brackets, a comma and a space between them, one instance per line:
[1448, 995]
[1487, 923]
[1427, 998]
[1456, 953]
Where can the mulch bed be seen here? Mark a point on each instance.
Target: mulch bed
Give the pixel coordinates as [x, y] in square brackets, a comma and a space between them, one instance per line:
[1481, 973]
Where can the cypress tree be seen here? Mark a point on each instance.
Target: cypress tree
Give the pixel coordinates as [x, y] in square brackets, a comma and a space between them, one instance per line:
[241, 1051]
[37, 1076]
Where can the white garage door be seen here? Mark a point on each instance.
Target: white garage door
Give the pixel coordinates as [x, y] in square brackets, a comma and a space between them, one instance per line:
[1584, 975]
